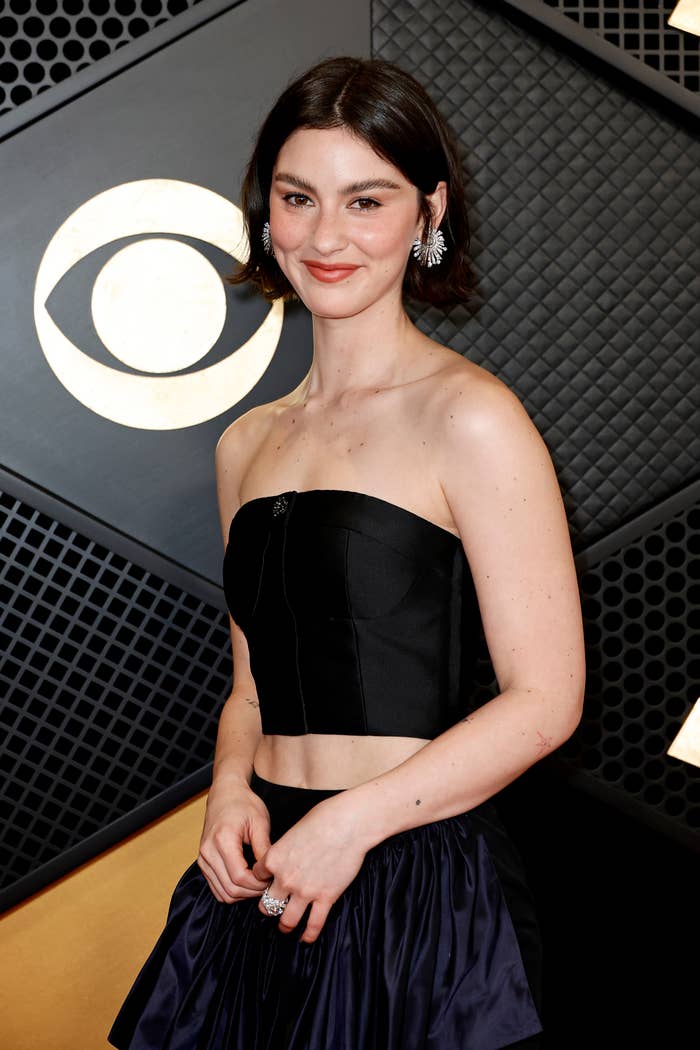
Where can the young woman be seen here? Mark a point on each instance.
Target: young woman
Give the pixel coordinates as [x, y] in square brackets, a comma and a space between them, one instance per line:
[354, 889]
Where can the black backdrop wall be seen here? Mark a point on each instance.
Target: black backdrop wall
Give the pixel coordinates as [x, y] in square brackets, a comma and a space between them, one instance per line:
[585, 212]
[584, 177]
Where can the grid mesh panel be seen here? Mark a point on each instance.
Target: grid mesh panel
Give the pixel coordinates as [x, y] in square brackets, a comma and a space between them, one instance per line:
[642, 30]
[112, 682]
[43, 42]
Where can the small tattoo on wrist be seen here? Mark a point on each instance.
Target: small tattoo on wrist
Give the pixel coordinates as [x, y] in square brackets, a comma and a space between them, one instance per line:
[253, 703]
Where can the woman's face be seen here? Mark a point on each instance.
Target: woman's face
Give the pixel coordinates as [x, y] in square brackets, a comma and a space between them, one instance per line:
[342, 221]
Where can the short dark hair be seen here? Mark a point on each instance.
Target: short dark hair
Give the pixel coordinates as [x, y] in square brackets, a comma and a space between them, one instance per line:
[393, 113]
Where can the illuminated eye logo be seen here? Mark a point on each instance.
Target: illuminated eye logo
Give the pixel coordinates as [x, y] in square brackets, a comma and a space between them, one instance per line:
[158, 306]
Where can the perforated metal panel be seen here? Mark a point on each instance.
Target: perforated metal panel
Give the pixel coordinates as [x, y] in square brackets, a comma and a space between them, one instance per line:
[112, 680]
[641, 608]
[43, 42]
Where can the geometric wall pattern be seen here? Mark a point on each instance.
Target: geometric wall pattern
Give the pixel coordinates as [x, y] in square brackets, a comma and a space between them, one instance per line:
[641, 30]
[112, 681]
[584, 205]
[46, 42]
[641, 609]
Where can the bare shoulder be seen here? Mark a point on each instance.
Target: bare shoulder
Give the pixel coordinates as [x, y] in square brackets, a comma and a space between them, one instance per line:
[494, 466]
[476, 413]
[235, 451]
[234, 439]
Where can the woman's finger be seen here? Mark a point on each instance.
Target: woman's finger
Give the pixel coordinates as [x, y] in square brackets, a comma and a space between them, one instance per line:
[210, 875]
[293, 914]
[239, 873]
[316, 921]
[227, 891]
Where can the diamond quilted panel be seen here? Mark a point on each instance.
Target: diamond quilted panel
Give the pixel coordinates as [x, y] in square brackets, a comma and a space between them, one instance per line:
[585, 213]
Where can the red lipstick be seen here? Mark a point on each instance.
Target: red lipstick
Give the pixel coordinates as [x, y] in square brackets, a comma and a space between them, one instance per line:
[328, 272]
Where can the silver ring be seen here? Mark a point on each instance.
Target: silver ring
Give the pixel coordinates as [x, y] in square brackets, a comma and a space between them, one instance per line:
[273, 905]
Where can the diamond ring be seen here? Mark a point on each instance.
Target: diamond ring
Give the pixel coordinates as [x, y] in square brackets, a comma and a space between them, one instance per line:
[273, 905]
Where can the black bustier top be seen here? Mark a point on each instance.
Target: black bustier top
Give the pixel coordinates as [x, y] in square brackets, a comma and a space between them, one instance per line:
[361, 616]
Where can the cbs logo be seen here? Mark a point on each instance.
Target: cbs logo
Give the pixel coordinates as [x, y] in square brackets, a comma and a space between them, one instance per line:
[158, 306]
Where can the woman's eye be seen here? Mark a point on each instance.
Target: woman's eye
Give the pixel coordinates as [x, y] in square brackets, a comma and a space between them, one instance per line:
[297, 199]
[365, 203]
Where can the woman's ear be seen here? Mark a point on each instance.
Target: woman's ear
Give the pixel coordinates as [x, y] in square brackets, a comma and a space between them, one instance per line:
[438, 202]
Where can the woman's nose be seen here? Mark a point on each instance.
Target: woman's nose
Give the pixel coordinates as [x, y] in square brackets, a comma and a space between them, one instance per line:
[329, 233]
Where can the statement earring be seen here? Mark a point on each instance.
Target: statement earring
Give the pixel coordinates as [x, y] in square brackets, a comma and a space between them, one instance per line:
[266, 240]
[430, 253]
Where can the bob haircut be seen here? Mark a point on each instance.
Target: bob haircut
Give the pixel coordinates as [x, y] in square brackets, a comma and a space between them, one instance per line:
[392, 113]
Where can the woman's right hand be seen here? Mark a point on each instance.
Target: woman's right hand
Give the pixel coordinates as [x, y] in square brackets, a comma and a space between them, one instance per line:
[234, 815]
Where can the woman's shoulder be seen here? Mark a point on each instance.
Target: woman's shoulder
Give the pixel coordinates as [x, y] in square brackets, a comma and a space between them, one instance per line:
[247, 431]
[459, 385]
[471, 408]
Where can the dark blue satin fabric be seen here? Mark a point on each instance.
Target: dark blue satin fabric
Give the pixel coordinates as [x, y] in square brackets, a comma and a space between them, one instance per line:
[420, 952]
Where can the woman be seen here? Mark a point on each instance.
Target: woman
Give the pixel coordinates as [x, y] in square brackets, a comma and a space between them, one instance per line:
[354, 888]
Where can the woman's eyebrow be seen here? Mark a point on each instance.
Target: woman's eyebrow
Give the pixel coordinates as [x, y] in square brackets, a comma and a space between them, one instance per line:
[353, 187]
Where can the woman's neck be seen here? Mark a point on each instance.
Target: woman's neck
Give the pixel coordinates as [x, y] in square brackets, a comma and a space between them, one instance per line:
[373, 349]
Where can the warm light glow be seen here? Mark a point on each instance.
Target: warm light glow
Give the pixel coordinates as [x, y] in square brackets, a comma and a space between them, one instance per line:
[686, 16]
[686, 745]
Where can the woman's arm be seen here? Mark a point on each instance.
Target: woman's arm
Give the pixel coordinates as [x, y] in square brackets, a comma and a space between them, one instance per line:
[239, 729]
[234, 814]
[501, 486]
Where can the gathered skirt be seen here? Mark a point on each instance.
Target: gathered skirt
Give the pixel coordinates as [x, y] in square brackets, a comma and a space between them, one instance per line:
[434, 945]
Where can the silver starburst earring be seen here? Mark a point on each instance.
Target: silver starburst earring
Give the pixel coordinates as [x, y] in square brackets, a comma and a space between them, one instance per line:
[267, 240]
[430, 253]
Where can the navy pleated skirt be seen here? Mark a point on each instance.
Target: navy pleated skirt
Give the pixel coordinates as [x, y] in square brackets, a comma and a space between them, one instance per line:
[434, 945]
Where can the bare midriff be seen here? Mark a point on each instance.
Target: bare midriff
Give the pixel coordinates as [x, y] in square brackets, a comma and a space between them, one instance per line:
[330, 761]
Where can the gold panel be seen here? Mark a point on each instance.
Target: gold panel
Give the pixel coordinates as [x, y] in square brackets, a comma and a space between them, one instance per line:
[71, 952]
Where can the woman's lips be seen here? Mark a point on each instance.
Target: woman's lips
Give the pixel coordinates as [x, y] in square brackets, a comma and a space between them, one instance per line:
[328, 273]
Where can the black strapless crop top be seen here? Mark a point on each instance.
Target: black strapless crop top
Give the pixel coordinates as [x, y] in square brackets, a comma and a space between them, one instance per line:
[361, 616]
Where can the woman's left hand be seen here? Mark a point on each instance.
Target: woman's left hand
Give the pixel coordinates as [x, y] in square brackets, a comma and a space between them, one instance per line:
[313, 862]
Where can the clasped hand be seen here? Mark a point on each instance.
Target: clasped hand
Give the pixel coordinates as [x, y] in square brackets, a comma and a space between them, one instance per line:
[312, 862]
